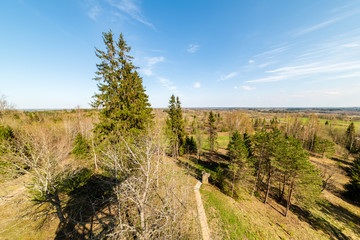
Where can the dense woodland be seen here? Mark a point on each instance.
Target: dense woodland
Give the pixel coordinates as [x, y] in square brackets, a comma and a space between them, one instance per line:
[110, 172]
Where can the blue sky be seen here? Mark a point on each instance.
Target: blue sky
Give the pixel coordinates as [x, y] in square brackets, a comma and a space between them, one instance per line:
[210, 53]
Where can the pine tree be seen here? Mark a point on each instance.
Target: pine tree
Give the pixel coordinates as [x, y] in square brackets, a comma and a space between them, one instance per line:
[303, 179]
[238, 154]
[353, 188]
[237, 149]
[123, 103]
[212, 131]
[175, 126]
[350, 137]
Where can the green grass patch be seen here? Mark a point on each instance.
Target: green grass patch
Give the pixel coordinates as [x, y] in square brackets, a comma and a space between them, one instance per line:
[232, 222]
[222, 141]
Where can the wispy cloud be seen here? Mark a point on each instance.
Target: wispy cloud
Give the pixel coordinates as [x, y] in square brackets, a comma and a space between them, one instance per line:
[230, 75]
[94, 11]
[132, 9]
[272, 52]
[154, 60]
[350, 45]
[325, 23]
[251, 61]
[193, 48]
[248, 88]
[196, 84]
[323, 68]
[167, 83]
[150, 62]
[332, 93]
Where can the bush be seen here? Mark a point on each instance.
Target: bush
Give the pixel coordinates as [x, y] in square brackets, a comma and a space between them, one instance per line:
[81, 147]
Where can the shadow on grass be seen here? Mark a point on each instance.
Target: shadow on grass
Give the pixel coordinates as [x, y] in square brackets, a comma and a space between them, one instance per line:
[319, 223]
[88, 213]
[343, 215]
[347, 163]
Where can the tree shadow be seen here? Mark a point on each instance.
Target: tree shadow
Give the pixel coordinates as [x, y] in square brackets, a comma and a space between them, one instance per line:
[319, 223]
[347, 163]
[88, 213]
[343, 215]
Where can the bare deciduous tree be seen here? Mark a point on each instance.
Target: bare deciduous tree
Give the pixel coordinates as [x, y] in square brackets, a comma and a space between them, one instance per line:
[147, 206]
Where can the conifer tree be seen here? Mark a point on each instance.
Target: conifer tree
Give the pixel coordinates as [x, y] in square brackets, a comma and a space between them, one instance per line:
[353, 188]
[212, 131]
[175, 126]
[350, 137]
[123, 103]
[238, 154]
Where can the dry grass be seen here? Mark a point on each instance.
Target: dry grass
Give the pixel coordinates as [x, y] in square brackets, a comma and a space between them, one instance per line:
[251, 219]
[14, 203]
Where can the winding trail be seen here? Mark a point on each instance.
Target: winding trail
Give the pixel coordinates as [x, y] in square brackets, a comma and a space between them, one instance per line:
[201, 213]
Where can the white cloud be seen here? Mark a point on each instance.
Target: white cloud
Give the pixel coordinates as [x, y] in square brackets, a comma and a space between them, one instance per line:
[350, 45]
[265, 64]
[230, 75]
[146, 71]
[154, 60]
[332, 93]
[94, 12]
[150, 62]
[167, 83]
[131, 8]
[251, 61]
[236, 87]
[308, 70]
[193, 48]
[197, 85]
[325, 23]
[272, 52]
[248, 88]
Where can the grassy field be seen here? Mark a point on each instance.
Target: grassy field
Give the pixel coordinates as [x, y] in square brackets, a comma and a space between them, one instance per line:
[251, 219]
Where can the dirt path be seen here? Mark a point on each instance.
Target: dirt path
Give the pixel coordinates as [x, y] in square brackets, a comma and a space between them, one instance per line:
[201, 213]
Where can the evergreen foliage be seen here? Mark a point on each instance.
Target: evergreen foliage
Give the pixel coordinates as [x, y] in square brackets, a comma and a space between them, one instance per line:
[123, 103]
[237, 149]
[81, 147]
[353, 187]
[175, 126]
[323, 146]
[350, 137]
[212, 131]
[6, 137]
[190, 145]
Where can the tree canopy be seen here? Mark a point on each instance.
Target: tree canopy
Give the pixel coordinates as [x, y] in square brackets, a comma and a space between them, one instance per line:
[123, 103]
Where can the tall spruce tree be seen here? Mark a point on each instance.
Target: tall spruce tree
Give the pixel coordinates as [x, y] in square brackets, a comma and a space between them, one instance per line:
[123, 103]
[350, 137]
[175, 126]
[212, 131]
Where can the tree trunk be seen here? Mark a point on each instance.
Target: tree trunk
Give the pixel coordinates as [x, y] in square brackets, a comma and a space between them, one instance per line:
[57, 204]
[268, 185]
[289, 198]
[283, 188]
[257, 179]
[233, 183]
